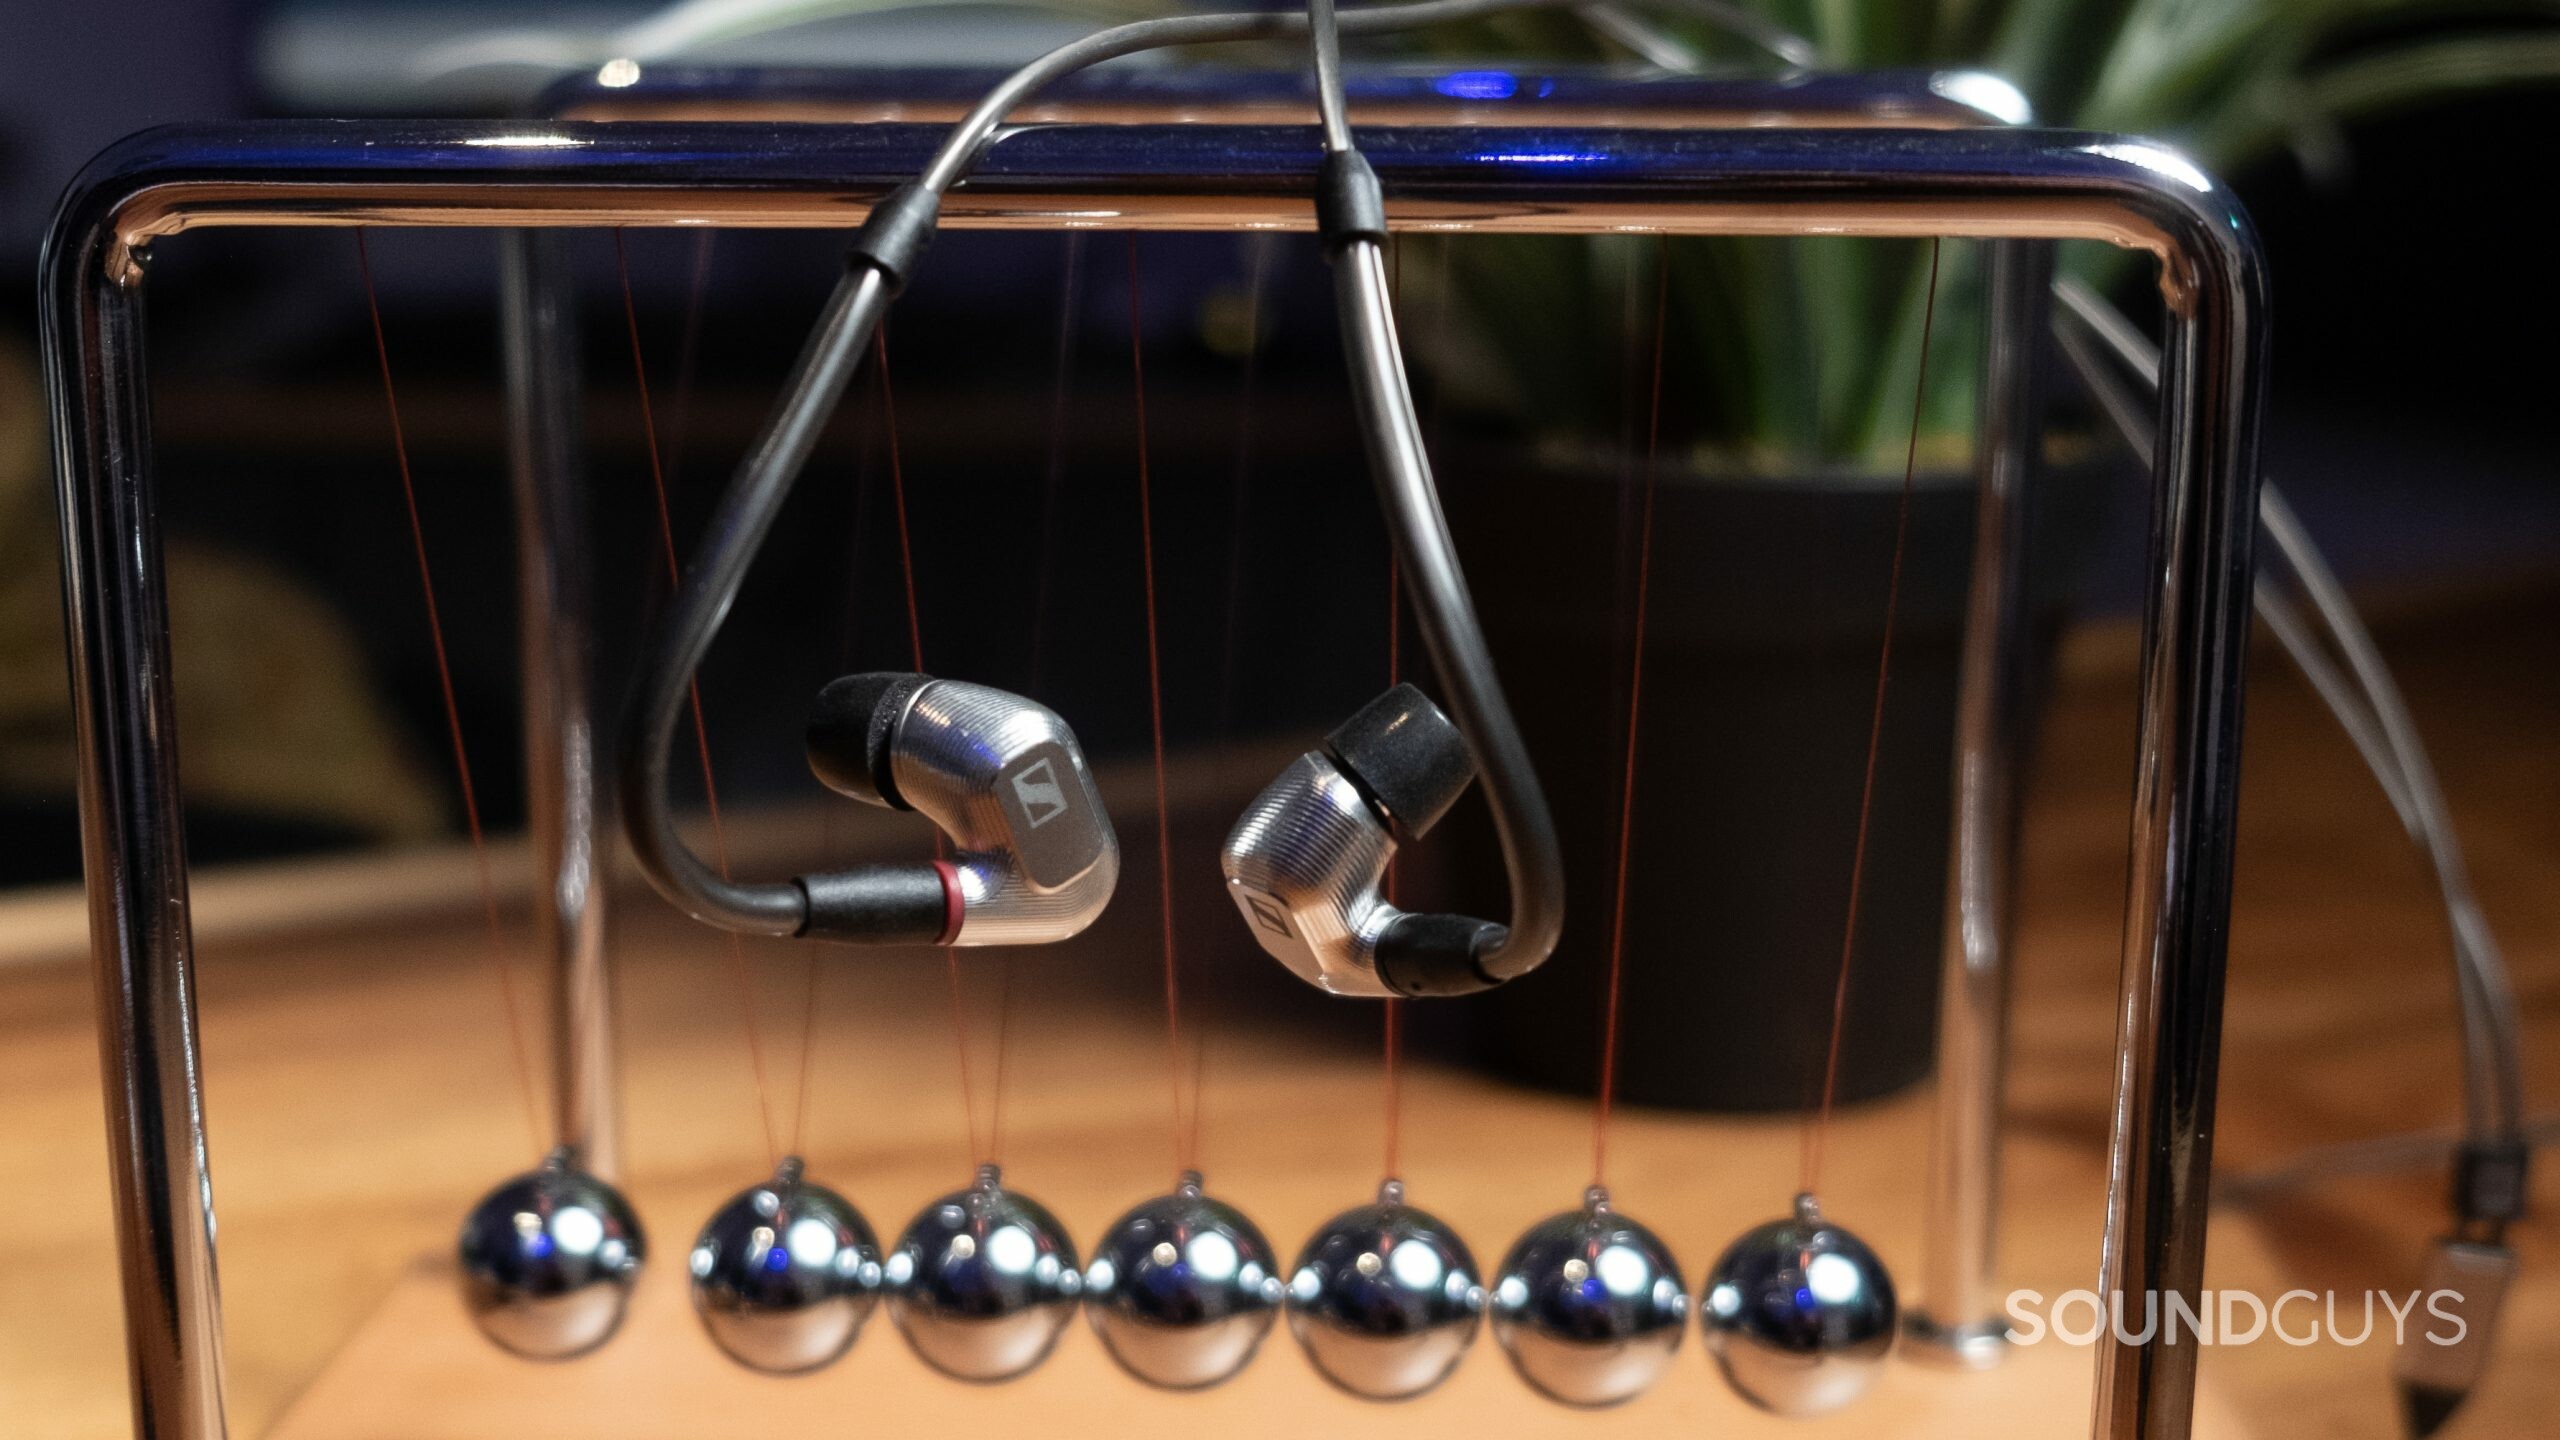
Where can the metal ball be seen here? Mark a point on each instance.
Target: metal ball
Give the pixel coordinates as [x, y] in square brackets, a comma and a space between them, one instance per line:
[548, 1261]
[983, 1282]
[1182, 1289]
[1799, 1314]
[1384, 1299]
[1589, 1306]
[784, 1274]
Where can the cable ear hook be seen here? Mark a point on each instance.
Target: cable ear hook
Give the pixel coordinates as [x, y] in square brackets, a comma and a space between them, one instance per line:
[1307, 861]
[1000, 775]
[1006, 885]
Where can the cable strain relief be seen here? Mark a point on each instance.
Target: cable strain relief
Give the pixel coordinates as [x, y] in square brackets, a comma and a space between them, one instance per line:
[894, 238]
[878, 905]
[1349, 204]
[2490, 1180]
[1431, 956]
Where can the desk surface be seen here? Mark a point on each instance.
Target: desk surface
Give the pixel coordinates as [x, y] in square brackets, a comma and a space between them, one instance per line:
[360, 1098]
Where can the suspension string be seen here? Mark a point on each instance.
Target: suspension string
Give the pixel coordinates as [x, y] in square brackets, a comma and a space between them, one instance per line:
[1052, 491]
[1240, 491]
[739, 970]
[1391, 1019]
[527, 1089]
[848, 633]
[915, 660]
[1443, 305]
[1186, 1138]
[1239, 508]
[1810, 1178]
[1635, 709]
[1005, 974]
[1053, 483]
[688, 355]
[1630, 456]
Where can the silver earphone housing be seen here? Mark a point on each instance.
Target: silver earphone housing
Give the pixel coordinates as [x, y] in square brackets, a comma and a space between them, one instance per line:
[1035, 857]
[1305, 865]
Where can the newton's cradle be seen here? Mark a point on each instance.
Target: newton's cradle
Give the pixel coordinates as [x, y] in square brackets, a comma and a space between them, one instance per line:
[1912, 155]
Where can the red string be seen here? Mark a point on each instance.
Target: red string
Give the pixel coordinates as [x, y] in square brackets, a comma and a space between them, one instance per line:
[688, 352]
[1809, 1180]
[1635, 706]
[1004, 1055]
[1391, 1023]
[898, 494]
[1239, 501]
[915, 659]
[1053, 481]
[960, 1043]
[701, 734]
[1186, 1138]
[526, 1088]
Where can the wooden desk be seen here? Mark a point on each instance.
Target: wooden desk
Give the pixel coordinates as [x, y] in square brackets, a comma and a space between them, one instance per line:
[360, 1098]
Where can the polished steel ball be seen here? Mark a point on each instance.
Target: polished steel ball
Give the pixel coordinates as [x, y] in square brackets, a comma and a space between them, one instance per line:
[548, 1260]
[784, 1274]
[1589, 1306]
[983, 1282]
[1385, 1299]
[1799, 1314]
[1182, 1289]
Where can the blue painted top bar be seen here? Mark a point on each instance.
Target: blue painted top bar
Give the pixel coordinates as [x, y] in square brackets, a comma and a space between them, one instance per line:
[482, 173]
[1476, 94]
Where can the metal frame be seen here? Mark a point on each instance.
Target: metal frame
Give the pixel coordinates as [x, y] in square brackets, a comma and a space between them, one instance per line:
[2004, 185]
[1956, 1318]
[1585, 95]
[566, 797]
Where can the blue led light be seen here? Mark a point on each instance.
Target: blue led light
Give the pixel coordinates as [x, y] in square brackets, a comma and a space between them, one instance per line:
[1544, 157]
[1478, 85]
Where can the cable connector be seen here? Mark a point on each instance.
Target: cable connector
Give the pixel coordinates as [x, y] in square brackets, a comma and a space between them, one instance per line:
[1349, 204]
[2489, 1181]
[894, 238]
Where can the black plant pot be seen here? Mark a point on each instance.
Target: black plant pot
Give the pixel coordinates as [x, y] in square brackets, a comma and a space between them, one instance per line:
[1766, 613]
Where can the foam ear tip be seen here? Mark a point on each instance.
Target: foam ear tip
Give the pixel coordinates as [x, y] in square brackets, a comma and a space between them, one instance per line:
[1406, 757]
[852, 728]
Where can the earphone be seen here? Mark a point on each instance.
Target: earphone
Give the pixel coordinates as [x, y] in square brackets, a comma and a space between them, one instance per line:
[1001, 775]
[1307, 862]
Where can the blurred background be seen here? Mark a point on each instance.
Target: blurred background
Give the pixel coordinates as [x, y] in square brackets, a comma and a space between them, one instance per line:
[2395, 155]
[2388, 150]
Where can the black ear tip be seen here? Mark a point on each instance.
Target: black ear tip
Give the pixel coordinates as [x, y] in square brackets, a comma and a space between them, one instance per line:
[1406, 757]
[850, 729]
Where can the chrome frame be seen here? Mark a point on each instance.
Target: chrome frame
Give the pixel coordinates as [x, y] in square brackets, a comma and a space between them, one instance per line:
[2000, 185]
[566, 798]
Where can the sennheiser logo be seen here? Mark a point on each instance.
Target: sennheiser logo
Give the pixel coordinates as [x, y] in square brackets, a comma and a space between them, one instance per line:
[1036, 789]
[1266, 912]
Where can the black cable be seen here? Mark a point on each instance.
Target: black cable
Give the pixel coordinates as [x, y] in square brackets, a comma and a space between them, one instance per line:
[1443, 951]
[883, 256]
